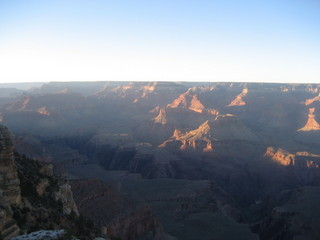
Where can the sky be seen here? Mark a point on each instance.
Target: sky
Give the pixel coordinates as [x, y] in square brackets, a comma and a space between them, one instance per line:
[167, 40]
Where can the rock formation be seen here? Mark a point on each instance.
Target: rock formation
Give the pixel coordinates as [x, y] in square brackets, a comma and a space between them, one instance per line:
[30, 196]
[8, 226]
[43, 111]
[238, 101]
[190, 100]
[9, 186]
[298, 159]
[312, 100]
[9, 181]
[222, 128]
[65, 195]
[312, 124]
[280, 156]
[161, 118]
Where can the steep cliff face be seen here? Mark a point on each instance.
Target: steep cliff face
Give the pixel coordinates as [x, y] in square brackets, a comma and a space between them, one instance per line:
[47, 200]
[9, 186]
[31, 197]
[9, 181]
[8, 226]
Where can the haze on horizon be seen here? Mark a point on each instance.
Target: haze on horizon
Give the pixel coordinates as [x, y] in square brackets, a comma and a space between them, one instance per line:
[268, 41]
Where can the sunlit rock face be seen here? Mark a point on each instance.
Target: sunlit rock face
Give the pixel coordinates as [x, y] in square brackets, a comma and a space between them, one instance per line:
[312, 124]
[222, 128]
[43, 111]
[312, 100]
[298, 159]
[238, 101]
[280, 156]
[9, 181]
[162, 117]
[188, 100]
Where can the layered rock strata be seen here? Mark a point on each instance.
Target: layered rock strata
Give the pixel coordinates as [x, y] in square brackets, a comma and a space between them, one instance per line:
[9, 186]
[9, 181]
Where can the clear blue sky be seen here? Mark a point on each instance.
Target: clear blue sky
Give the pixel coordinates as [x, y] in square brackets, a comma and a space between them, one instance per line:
[223, 40]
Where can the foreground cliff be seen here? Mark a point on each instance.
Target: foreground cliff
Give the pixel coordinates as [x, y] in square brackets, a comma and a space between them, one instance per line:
[9, 181]
[31, 198]
[9, 186]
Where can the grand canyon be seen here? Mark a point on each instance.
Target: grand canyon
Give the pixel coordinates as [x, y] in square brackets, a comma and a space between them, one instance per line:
[160, 160]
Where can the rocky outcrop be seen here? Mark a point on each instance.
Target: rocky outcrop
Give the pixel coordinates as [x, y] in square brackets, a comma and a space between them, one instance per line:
[190, 100]
[8, 226]
[9, 181]
[9, 186]
[312, 124]
[65, 195]
[298, 159]
[280, 156]
[43, 111]
[312, 100]
[238, 101]
[161, 118]
[222, 128]
[31, 197]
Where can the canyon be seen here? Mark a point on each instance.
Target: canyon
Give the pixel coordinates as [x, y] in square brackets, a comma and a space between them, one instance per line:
[162, 160]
